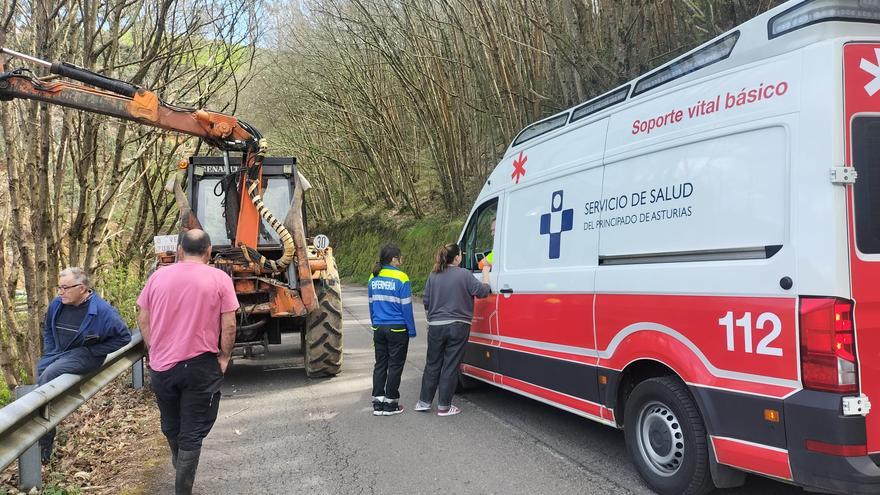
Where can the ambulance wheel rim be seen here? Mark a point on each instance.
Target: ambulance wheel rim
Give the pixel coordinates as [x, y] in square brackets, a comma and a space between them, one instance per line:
[660, 439]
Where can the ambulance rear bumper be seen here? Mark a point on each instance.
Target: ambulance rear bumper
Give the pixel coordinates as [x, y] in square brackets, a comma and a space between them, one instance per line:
[817, 416]
[840, 475]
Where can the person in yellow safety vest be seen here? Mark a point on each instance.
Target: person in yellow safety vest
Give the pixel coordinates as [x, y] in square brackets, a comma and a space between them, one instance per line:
[490, 256]
[488, 260]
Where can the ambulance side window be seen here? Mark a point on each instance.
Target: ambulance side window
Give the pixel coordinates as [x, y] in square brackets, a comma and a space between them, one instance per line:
[479, 237]
[865, 148]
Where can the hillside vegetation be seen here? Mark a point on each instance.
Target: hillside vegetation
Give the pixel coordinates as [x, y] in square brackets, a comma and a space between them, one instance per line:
[405, 106]
[357, 241]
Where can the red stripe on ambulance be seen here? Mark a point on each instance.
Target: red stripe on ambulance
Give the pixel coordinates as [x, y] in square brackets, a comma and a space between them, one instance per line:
[754, 457]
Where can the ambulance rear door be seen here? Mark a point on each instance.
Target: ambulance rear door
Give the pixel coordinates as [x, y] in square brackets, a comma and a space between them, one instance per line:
[862, 121]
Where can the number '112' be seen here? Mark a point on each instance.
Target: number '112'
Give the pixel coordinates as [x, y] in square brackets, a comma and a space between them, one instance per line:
[745, 323]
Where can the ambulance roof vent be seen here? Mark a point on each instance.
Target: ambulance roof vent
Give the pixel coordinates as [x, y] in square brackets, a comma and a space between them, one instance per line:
[715, 52]
[815, 11]
[542, 127]
[600, 103]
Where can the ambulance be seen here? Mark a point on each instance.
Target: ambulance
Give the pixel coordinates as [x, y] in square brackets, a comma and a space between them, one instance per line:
[694, 257]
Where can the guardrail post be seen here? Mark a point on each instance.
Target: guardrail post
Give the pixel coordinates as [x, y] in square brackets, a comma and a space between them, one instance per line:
[29, 475]
[137, 375]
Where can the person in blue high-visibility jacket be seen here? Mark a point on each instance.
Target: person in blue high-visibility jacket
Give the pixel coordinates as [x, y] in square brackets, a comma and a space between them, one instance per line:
[391, 314]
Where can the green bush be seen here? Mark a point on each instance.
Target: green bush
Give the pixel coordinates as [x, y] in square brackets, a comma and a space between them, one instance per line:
[5, 393]
[120, 287]
[357, 240]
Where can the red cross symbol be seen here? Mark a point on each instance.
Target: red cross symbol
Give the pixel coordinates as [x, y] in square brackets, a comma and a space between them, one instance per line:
[519, 167]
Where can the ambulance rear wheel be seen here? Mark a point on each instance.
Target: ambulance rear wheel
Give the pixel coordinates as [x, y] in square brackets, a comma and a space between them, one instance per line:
[666, 437]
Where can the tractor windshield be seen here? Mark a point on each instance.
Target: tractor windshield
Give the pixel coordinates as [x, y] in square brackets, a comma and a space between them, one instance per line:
[276, 197]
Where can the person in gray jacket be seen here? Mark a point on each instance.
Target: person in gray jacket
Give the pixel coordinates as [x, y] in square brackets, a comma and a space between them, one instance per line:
[449, 304]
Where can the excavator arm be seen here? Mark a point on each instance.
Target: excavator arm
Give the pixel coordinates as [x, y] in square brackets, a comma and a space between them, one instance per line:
[93, 92]
[123, 100]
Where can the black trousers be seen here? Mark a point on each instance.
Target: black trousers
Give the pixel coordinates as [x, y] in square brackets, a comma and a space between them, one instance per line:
[189, 397]
[391, 350]
[445, 350]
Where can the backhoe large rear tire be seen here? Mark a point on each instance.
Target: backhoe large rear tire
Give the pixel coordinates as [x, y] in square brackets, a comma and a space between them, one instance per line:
[322, 336]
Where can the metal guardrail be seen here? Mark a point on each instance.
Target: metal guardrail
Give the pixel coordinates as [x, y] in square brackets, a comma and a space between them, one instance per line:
[24, 421]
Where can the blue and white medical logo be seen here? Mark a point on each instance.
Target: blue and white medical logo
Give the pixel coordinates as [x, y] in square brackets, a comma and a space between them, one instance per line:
[556, 222]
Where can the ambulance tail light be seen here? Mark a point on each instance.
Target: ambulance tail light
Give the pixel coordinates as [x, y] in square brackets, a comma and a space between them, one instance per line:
[815, 11]
[828, 359]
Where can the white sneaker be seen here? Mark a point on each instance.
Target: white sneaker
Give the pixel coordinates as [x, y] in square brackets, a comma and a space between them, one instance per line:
[422, 406]
[452, 411]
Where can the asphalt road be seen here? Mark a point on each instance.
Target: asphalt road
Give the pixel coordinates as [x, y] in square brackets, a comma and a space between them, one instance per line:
[279, 432]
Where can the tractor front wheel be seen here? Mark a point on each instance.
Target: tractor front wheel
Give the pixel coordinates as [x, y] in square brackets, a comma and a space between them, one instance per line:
[322, 335]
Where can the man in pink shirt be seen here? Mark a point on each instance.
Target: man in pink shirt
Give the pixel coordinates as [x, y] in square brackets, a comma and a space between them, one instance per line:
[186, 309]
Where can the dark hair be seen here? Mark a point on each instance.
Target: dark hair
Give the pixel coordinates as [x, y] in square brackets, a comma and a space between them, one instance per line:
[445, 255]
[195, 242]
[386, 254]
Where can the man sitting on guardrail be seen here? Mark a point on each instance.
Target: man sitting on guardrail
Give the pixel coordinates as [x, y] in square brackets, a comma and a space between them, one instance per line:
[80, 330]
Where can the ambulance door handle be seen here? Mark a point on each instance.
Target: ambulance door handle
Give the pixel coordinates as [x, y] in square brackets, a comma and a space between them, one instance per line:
[507, 291]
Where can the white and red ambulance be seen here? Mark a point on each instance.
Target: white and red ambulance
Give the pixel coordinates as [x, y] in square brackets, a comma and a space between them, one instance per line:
[694, 257]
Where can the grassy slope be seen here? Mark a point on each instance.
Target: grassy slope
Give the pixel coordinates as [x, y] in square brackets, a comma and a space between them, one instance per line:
[358, 239]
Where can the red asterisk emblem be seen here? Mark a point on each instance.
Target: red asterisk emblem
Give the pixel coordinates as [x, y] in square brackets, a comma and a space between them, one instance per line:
[519, 167]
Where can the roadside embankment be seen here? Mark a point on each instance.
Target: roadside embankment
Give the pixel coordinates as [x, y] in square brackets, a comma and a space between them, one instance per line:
[110, 445]
[356, 242]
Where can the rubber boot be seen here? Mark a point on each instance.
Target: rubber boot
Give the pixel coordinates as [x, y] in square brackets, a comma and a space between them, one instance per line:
[173, 446]
[47, 441]
[187, 463]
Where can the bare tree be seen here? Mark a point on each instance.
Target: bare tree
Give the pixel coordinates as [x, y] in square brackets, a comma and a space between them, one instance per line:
[82, 189]
[412, 102]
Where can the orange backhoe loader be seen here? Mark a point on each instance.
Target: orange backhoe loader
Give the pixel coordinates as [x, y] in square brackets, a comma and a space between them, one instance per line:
[284, 282]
